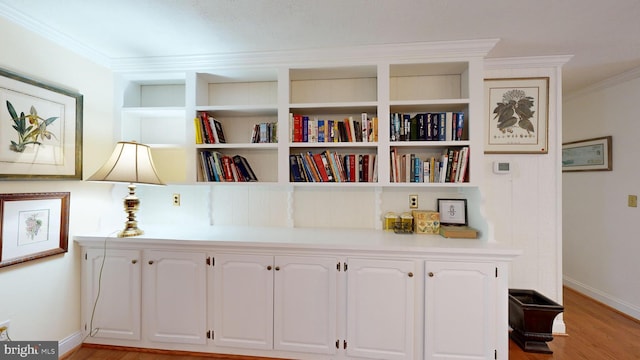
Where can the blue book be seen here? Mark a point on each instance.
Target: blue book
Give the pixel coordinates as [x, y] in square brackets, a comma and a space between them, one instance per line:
[305, 129]
[321, 130]
[459, 126]
[442, 126]
[295, 174]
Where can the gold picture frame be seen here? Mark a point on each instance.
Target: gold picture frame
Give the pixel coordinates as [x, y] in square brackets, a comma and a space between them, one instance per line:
[40, 130]
[517, 115]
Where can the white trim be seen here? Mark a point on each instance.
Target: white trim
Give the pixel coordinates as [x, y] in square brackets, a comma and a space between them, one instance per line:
[55, 36]
[69, 343]
[526, 62]
[405, 52]
[606, 83]
[607, 299]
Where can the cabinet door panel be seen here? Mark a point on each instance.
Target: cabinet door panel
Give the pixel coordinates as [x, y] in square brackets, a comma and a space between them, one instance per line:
[243, 301]
[305, 304]
[460, 300]
[116, 286]
[380, 309]
[175, 296]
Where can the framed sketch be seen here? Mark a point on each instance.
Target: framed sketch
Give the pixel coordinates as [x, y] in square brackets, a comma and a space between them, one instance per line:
[40, 130]
[517, 116]
[587, 155]
[33, 226]
[453, 211]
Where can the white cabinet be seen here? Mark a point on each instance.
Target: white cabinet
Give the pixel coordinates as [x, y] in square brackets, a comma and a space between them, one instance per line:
[305, 304]
[460, 310]
[283, 302]
[165, 291]
[373, 295]
[111, 301]
[243, 301]
[380, 308]
[174, 296]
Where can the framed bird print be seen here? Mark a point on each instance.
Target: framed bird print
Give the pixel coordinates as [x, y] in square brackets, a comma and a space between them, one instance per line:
[517, 119]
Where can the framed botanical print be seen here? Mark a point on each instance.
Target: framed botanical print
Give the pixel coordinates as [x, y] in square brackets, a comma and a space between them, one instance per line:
[33, 226]
[517, 115]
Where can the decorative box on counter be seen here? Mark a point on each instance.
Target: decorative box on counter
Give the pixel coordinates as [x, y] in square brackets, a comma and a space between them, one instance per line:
[426, 222]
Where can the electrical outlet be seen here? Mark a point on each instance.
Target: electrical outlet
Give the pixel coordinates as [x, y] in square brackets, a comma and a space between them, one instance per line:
[413, 201]
[4, 330]
[176, 199]
[633, 201]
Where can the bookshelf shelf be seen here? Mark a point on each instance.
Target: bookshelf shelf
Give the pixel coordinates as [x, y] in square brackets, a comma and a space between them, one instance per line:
[244, 97]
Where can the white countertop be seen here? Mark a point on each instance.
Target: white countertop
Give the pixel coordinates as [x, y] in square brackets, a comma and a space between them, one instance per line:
[303, 239]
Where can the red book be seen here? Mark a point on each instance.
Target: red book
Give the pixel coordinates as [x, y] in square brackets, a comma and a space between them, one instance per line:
[317, 158]
[227, 163]
[207, 128]
[365, 168]
[297, 128]
[352, 168]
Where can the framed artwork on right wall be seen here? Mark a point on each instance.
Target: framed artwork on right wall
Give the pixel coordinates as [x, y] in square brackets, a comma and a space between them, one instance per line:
[517, 118]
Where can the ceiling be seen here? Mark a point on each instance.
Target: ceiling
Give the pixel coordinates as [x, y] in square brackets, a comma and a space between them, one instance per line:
[602, 36]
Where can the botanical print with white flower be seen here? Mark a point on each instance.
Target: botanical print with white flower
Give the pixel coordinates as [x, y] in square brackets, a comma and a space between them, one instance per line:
[34, 226]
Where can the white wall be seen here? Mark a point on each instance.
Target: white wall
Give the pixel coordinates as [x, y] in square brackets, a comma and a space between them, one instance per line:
[524, 206]
[41, 298]
[601, 243]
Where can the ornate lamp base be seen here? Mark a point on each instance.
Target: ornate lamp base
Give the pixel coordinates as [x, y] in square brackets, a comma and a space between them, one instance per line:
[131, 205]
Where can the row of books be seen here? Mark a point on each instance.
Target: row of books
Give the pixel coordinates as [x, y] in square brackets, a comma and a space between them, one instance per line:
[450, 167]
[431, 126]
[329, 166]
[208, 130]
[306, 129]
[219, 167]
[265, 133]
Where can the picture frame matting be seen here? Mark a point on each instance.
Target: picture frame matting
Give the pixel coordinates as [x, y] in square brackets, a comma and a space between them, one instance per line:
[33, 226]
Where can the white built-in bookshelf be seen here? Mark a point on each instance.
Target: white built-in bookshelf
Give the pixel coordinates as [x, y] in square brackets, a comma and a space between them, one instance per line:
[405, 84]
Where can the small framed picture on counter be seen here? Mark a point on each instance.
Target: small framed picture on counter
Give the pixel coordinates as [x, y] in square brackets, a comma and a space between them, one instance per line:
[453, 211]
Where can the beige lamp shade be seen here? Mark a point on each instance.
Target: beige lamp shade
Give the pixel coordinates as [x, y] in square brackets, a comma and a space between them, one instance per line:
[130, 162]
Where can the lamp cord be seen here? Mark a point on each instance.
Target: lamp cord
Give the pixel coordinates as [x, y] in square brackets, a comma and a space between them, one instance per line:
[92, 331]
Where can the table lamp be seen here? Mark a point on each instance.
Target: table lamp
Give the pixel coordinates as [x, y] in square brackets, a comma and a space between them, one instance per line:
[131, 163]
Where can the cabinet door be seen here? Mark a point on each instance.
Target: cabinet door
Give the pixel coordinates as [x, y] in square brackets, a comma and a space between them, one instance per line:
[243, 301]
[380, 309]
[459, 313]
[112, 287]
[175, 296]
[305, 304]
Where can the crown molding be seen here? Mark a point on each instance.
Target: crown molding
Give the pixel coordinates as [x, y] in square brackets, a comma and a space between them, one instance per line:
[337, 55]
[606, 83]
[526, 62]
[56, 37]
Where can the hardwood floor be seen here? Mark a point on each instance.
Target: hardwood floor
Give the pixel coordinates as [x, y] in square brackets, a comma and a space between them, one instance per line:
[595, 332]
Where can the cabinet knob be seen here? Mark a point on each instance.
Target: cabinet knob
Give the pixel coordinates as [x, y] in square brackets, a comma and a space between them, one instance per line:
[430, 274]
[150, 262]
[277, 268]
[410, 274]
[269, 267]
[134, 261]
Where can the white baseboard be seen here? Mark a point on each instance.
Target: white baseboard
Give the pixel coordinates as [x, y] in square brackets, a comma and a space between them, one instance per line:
[69, 343]
[618, 304]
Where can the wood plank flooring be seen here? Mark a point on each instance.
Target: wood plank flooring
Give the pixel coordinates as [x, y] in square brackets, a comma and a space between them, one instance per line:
[595, 332]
